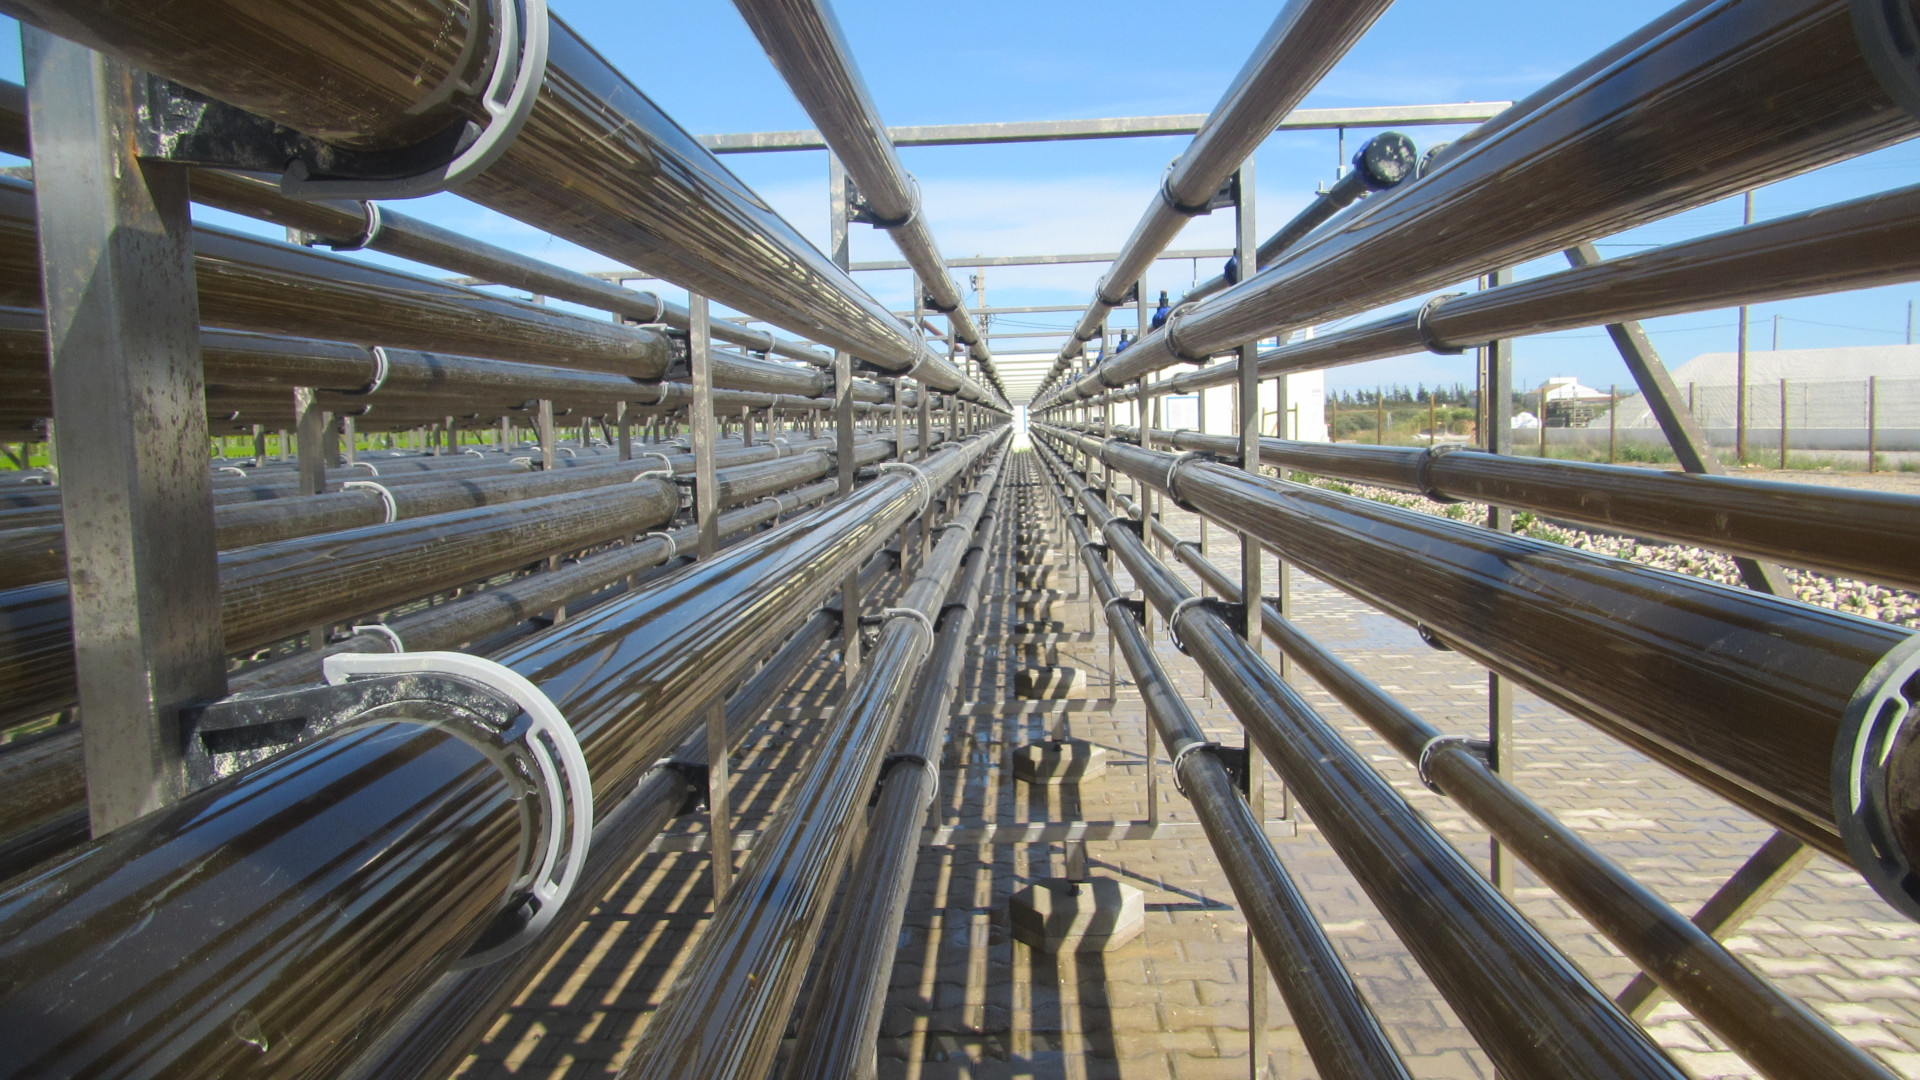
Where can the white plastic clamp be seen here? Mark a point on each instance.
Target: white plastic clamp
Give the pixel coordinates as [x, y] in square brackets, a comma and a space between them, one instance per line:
[518, 74]
[381, 630]
[1180, 755]
[778, 507]
[665, 470]
[367, 465]
[382, 367]
[555, 752]
[673, 546]
[1108, 606]
[474, 452]
[567, 450]
[913, 614]
[1438, 741]
[386, 497]
[926, 765]
[925, 486]
[234, 469]
[1172, 327]
[1182, 459]
[1173, 619]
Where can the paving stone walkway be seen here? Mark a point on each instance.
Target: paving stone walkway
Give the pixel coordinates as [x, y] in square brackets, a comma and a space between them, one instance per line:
[968, 1001]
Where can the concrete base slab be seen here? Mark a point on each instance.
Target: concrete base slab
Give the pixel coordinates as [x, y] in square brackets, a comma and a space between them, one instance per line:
[1061, 761]
[1049, 684]
[1056, 915]
[1039, 626]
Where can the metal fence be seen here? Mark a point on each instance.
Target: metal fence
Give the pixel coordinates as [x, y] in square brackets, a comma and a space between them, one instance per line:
[1813, 414]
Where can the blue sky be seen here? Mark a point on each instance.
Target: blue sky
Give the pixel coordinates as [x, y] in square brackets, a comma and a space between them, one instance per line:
[997, 60]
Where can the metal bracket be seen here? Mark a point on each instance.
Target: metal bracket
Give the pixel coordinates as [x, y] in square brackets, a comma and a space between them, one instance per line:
[860, 210]
[1228, 194]
[1136, 608]
[1234, 613]
[1234, 758]
[1432, 639]
[699, 781]
[182, 125]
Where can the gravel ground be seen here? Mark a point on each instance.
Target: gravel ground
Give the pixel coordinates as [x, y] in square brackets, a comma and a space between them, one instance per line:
[1842, 594]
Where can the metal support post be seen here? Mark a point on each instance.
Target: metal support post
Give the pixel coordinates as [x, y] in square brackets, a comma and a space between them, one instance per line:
[1750, 887]
[925, 417]
[545, 434]
[349, 437]
[1740, 369]
[837, 189]
[625, 423]
[130, 427]
[1496, 437]
[706, 508]
[310, 425]
[1246, 244]
[259, 447]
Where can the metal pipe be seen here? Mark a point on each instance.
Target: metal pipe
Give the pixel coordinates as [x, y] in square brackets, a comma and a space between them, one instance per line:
[38, 553]
[1305, 40]
[442, 1026]
[1770, 1029]
[50, 815]
[1687, 117]
[247, 283]
[1530, 1008]
[1743, 692]
[1341, 1033]
[270, 591]
[1852, 245]
[1842, 531]
[803, 39]
[727, 1010]
[1380, 164]
[480, 615]
[175, 961]
[342, 224]
[842, 1017]
[596, 162]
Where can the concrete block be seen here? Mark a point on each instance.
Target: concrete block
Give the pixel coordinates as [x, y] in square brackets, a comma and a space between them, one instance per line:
[1059, 761]
[1049, 684]
[1056, 915]
[1039, 626]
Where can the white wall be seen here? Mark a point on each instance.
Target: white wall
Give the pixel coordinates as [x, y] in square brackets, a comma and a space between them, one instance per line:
[1306, 391]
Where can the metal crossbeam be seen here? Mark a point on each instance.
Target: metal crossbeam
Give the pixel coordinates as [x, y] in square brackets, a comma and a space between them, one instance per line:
[1115, 127]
